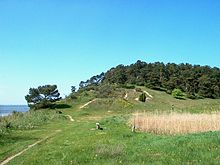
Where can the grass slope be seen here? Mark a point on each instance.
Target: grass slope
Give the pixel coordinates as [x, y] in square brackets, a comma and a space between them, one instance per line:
[79, 143]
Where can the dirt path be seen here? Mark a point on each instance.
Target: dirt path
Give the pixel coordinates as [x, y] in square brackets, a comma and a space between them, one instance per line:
[86, 104]
[147, 98]
[126, 96]
[39, 141]
[70, 117]
[148, 94]
[28, 147]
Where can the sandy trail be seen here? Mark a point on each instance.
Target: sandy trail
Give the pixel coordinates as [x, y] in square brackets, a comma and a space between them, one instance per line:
[147, 98]
[39, 141]
[70, 117]
[86, 104]
[148, 94]
[28, 147]
[126, 96]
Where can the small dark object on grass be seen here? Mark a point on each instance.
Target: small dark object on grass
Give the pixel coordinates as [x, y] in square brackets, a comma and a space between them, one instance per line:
[60, 112]
[98, 126]
[8, 125]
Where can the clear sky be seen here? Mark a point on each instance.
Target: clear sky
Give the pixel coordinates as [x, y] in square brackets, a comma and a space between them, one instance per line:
[65, 41]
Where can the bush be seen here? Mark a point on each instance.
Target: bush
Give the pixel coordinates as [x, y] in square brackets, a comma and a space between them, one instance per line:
[194, 96]
[159, 89]
[105, 91]
[27, 120]
[191, 96]
[178, 94]
[4, 123]
[138, 89]
[73, 96]
[128, 86]
[168, 91]
[142, 97]
[109, 91]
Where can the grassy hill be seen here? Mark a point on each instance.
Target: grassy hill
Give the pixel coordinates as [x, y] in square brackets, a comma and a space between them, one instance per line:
[61, 141]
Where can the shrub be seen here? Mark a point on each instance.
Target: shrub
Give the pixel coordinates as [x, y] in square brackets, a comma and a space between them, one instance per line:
[178, 94]
[27, 120]
[73, 96]
[5, 125]
[191, 96]
[109, 91]
[128, 86]
[138, 89]
[168, 91]
[142, 97]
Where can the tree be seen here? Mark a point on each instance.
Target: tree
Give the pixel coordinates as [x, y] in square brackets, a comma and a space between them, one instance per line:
[205, 86]
[116, 75]
[73, 89]
[193, 80]
[43, 96]
[93, 81]
[96, 80]
[216, 92]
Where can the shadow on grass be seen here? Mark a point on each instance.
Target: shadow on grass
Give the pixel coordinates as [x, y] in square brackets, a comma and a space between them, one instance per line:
[180, 98]
[9, 139]
[60, 106]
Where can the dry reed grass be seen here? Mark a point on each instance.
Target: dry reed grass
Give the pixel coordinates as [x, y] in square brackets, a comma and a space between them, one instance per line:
[176, 123]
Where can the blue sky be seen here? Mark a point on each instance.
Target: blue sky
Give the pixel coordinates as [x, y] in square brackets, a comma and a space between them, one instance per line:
[64, 42]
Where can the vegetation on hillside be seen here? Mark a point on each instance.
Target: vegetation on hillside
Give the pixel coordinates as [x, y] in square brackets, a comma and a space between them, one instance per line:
[178, 94]
[26, 121]
[111, 99]
[78, 142]
[195, 80]
[142, 97]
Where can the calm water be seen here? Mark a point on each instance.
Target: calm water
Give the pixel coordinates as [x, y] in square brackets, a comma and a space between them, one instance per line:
[7, 109]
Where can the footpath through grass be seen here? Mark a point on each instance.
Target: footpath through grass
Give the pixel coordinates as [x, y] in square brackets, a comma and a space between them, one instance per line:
[79, 142]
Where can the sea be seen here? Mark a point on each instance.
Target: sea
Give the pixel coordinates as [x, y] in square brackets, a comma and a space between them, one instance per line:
[6, 110]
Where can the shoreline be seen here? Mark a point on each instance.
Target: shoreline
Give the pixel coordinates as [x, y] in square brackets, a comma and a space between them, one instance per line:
[4, 114]
[6, 110]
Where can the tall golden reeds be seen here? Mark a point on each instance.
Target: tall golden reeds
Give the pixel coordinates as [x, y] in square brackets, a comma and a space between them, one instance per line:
[176, 123]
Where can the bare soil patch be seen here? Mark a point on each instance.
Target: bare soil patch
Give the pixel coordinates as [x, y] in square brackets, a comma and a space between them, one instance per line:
[86, 104]
[70, 117]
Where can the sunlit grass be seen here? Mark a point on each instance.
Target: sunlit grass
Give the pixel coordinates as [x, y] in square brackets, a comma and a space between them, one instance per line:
[79, 142]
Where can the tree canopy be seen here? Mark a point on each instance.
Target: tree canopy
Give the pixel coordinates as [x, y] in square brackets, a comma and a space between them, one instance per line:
[43, 96]
[194, 80]
[95, 80]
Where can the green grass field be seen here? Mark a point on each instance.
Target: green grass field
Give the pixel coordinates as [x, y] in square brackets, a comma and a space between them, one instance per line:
[78, 142]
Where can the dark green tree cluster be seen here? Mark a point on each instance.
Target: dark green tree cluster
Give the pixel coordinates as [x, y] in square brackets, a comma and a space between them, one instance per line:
[43, 96]
[194, 80]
